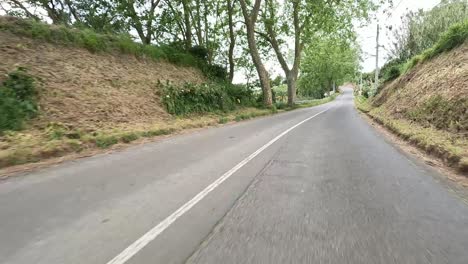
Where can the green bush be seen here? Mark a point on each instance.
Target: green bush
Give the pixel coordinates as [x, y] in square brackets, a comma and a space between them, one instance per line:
[199, 52]
[391, 70]
[411, 63]
[18, 100]
[392, 74]
[210, 97]
[129, 137]
[105, 141]
[281, 105]
[214, 71]
[454, 37]
[223, 120]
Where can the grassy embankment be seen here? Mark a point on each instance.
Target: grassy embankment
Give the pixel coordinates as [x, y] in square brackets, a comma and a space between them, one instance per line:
[50, 106]
[428, 104]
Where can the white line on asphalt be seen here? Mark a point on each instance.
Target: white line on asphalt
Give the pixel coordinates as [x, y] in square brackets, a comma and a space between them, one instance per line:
[138, 245]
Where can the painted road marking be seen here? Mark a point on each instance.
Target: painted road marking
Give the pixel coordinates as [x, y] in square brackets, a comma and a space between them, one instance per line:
[139, 244]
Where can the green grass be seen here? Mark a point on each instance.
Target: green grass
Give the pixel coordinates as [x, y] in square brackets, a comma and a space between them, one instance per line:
[223, 120]
[315, 102]
[105, 141]
[129, 137]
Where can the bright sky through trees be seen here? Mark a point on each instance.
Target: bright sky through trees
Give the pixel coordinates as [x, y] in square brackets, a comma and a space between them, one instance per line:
[366, 35]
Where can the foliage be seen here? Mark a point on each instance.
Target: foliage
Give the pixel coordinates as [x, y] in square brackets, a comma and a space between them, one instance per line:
[281, 93]
[210, 97]
[455, 36]
[330, 59]
[123, 43]
[391, 70]
[304, 21]
[199, 52]
[422, 29]
[18, 100]
[105, 141]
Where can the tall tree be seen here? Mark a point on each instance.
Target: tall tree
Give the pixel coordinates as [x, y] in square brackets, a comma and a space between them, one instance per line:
[188, 24]
[141, 15]
[250, 18]
[308, 17]
[327, 60]
[232, 38]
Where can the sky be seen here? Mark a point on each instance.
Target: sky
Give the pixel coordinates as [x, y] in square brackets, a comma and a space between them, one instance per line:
[367, 34]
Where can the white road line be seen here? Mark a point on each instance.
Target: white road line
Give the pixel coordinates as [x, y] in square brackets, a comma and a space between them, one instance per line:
[138, 245]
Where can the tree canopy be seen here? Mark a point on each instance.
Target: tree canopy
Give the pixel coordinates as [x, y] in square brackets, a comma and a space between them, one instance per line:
[235, 34]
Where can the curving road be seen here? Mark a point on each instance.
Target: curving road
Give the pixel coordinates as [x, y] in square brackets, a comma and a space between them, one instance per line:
[315, 185]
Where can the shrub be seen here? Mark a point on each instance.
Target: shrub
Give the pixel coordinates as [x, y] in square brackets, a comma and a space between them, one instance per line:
[129, 137]
[216, 72]
[392, 74]
[105, 141]
[210, 97]
[223, 120]
[11, 116]
[199, 52]
[17, 100]
[240, 94]
[411, 63]
[454, 37]
[55, 130]
[281, 105]
[97, 42]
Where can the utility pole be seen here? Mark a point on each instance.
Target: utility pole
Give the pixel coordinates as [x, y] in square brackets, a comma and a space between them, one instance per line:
[360, 84]
[376, 84]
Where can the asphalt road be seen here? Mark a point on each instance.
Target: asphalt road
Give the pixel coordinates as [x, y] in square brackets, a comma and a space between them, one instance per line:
[330, 190]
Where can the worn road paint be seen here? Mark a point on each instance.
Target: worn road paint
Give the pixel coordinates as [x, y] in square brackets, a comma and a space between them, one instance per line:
[149, 236]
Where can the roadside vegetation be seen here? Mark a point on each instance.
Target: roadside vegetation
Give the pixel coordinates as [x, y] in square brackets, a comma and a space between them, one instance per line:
[422, 36]
[18, 100]
[424, 98]
[83, 75]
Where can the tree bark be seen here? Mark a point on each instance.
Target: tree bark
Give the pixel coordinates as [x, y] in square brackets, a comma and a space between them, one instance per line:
[290, 73]
[250, 20]
[232, 39]
[188, 25]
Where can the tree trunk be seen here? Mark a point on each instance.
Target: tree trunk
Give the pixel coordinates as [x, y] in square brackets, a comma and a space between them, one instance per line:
[232, 40]
[198, 24]
[250, 20]
[261, 70]
[291, 79]
[188, 25]
[271, 36]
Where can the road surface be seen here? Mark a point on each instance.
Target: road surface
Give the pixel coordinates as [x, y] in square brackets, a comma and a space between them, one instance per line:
[315, 185]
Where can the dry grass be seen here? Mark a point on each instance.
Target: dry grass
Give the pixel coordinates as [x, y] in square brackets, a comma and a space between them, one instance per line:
[92, 91]
[450, 147]
[445, 77]
[428, 107]
[34, 145]
[94, 101]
